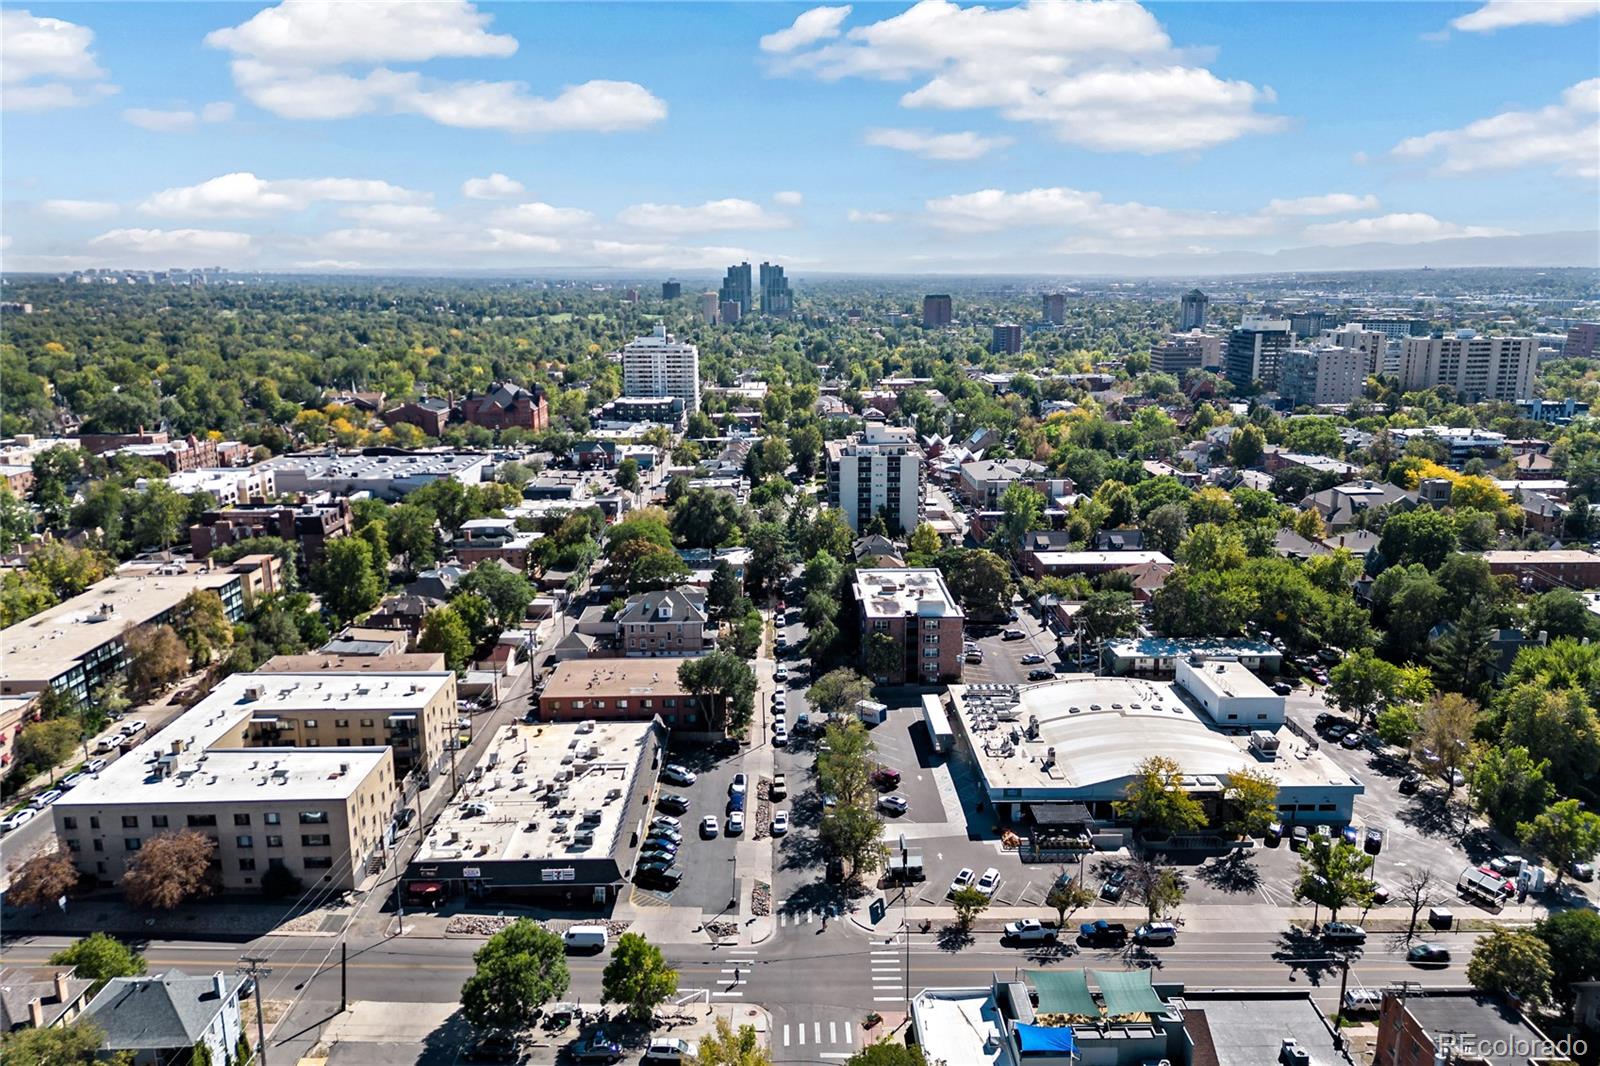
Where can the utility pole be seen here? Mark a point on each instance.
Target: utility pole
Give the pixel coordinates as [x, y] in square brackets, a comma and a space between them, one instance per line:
[252, 964]
[344, 976]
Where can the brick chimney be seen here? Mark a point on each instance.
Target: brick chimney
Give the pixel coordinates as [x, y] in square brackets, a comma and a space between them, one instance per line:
[62, 992]
[36, 1012]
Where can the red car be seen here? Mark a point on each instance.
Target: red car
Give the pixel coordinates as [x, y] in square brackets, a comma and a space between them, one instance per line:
[886, 777]
[1507, 887]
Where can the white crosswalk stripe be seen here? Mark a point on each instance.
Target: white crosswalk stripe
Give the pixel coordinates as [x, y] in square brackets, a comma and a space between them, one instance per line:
[817, 1033]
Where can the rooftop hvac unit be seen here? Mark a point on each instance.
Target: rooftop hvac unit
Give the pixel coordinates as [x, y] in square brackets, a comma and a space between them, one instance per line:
[254, 692]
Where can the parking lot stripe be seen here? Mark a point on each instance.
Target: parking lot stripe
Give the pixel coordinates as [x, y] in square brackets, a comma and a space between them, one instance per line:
[785, 1034]
[833, 1032]
[800, 1032]
[888, 999]
[816, 1033]
[727, 995]
[849, 1033]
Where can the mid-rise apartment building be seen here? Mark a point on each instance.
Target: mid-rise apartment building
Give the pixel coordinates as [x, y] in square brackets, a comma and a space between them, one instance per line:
[1477, 367]
[1583, 341]
[1182, 352]
[1192, 310]
[1369, 342]
[915, 609]
[878, 469]
[937, 311]
[1255, 350]
[1006, 337]
[662, 365]
[1055, 308]
[311, 525]
[1322, 375]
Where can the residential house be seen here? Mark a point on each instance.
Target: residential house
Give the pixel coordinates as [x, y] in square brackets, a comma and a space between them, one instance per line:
[42, 998]
[671, 622]
[162, 1018]
[1340, 505]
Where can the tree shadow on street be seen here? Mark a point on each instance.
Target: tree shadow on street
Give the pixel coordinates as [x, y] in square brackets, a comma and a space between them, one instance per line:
[1434, 815]
[1304, 952]
[1233, 872]
[953, 938]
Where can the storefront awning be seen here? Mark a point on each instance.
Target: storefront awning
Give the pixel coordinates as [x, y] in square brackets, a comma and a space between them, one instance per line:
[424, 888]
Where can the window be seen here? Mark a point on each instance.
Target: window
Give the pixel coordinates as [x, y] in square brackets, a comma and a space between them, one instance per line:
[245, 841]
[131, 843]
[366, 723]
[343, 742]
[158, 821]
[622, 705]
[315, 840]
[197, 820]
[313, 818]
[272, 818]
[94, 821]
[69, 823]
[672, 701]
[369, 742]
[1231, 717]
[930, 653]
[648, 704]
[599, 705]
[319, 862]
[341, 723]
[311, 723]
[274, 842]
[130, 821]
[1325, 807]
[247, 864]
[275, 864]
[313, 744]
[73, 845]
[881, 625]
[241, 819]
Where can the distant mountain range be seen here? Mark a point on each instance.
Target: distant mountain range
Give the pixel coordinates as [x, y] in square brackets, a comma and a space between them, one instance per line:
[1573, 248]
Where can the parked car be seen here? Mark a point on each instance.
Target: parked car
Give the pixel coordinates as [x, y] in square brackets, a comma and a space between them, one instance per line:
[1102, 933]
[894, 803]
[1013, 634]
[666, 877]
[1380, 894]
[45, 798]
[1282, 688]
[1507, 865]
[1363, 1000]
[94, 766]
[780, 738]
[1352, 739]
[666, 1049]
[1373, 843]
[1582, 871]
[658, 851]
[735, 823]
[1111, 888]
[1028, 931]
[1032, 658]
[1156, 933]
[672, 801]
[1344, 933]
[405, 817]
[664, 821]
[1337, 730]
[886, 777]
[17, 819]
[736, 802]
[780, 823]
[1324, 719]
[780, 674]
[135, 727]
[737, 786]
[678, 775]
[989, 882]
[1410, 783]
[709, 827]
[1274, 834]
[963, 878]
[1428, 954]
[670, 836]
[780, 787]
[71, 779]
[973, 656]
[1299, 837]
[1351, 835]
[1041, 674]
[494, 1047]
[597, 1048]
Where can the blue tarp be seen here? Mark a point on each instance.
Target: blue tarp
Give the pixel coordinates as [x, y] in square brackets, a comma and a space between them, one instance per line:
[1046, 1039]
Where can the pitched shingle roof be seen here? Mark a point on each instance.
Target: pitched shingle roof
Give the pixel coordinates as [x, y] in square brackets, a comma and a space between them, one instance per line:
[165, 1010]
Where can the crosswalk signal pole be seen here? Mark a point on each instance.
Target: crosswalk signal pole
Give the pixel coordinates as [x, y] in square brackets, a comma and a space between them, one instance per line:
[252, 964]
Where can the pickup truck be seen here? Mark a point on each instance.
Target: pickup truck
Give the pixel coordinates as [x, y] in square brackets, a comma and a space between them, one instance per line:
[1029, 931]
[1102, 932]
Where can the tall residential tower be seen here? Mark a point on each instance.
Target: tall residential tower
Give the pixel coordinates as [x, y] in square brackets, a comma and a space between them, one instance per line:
[661, 365]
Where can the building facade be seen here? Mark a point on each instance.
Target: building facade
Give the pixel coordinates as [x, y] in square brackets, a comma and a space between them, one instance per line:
[310, 525]
[1255, 350]
[508, 406]
[1006, 337]
[661, 365]
[1322, 375]
[776, 299]
[619, 690]
[1192, 310]
[1055, 308]
[736, 289]
[667, 623]
[1369, 342]
[937, 311]
[1478, 368]
[915, 610]
[671, 290]
[877, 470]
[1583, 340]
[1540, 571]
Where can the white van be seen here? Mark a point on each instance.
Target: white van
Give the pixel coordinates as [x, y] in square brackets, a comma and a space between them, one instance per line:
[586, 938]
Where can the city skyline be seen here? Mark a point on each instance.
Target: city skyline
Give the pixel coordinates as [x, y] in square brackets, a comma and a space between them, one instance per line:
[930, 138]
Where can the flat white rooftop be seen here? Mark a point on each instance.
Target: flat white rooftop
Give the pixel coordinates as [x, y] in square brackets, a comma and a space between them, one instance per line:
[960, 1025]
[539, 784]
[230, 775]
[1231, 679]
[1101, 729]
[897, 591]
[1091, 558]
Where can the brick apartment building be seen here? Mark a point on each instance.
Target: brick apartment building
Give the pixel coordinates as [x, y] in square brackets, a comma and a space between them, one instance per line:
[1542, 571]
[915, 609]
[429, 414]
[667, 623]
[508, 406]
[620, 690]
[311, 525]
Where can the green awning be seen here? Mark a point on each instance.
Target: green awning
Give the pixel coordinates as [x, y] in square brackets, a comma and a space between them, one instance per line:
[1128, 992]
[1063, 992]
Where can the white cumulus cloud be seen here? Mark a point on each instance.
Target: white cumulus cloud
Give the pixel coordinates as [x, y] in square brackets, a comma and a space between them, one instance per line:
[159, 242]
[320, 59]
[79, 210]
[952, 147]
[541, 217]
[394, 214]
[1102, 74]
[875, 217]
[495, 187]
[180, 120]
[1402, 228]
[1334, 203]
[1501, 14]
[730, 214]
[47, 64]
[818, 24]
[242, 195]
[788, 198]
[1564, 136]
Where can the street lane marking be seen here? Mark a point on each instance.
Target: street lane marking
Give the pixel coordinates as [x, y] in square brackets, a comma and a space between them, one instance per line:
[785, 1034]
[888, 999]
[833, 1032]
[727, 995]
[849, 1033]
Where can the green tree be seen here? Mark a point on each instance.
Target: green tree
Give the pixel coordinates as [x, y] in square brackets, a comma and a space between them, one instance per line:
[1558, 723]
[518, 970]
[1362, 684]
[882, 658]
[637, 977]
[413, 534]
[769, 558]
[346, 578]
[1022, 510]
[1068, 895]
[1165, 527]
[16, 521]
[1252, 801]
[828, 534]
[968, 903]
[704, 518]
[1561, 613]
[77, 1044]
[887, 1052]
[202, 623]
[922, 545]
[1512, 962]
[1422, 536]
[444, 632]
[747, 634]
[725, 590]
[854, 833]
[837, 692]
[43, 745]
[507, 590]
[1509, 785]
[1463, 654]
[1247, 445]
[1109, 613]
[1564, 834]
[1397, 725]
[726, 682]
[158, 513]
[99, 957]
[1335, 875]
[1156, 800]
[628, 475]
[724, 1046]
[845, 769]
[1444, 728]
[1156, 885]
[979, 579]
[1573, 937]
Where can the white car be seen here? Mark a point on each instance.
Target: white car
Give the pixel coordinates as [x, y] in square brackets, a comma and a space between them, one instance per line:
[780, 674]
[735, 823]
[894, 803]
[738, 785]
[17, 819]
[989, 881]
[779, 699]
[780, 823]
[709, 827]
[779, 722]
[45, 798]
[678, 775]
[780, 739]
[963, 879]
[134, 728]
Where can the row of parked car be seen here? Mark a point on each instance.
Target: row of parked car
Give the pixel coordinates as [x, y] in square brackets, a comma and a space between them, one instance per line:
[23, 815]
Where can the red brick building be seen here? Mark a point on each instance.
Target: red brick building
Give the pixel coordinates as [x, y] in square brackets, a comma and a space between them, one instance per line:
[914, 609]
[1542, 571]
[309, 525]
[620, 689]
[429, 414]
[508, 406]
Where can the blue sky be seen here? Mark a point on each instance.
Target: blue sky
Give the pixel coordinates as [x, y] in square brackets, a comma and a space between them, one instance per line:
[934, 137]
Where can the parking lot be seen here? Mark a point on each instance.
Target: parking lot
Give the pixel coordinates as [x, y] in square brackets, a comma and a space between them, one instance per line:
[708, 865]
[1002, 659]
